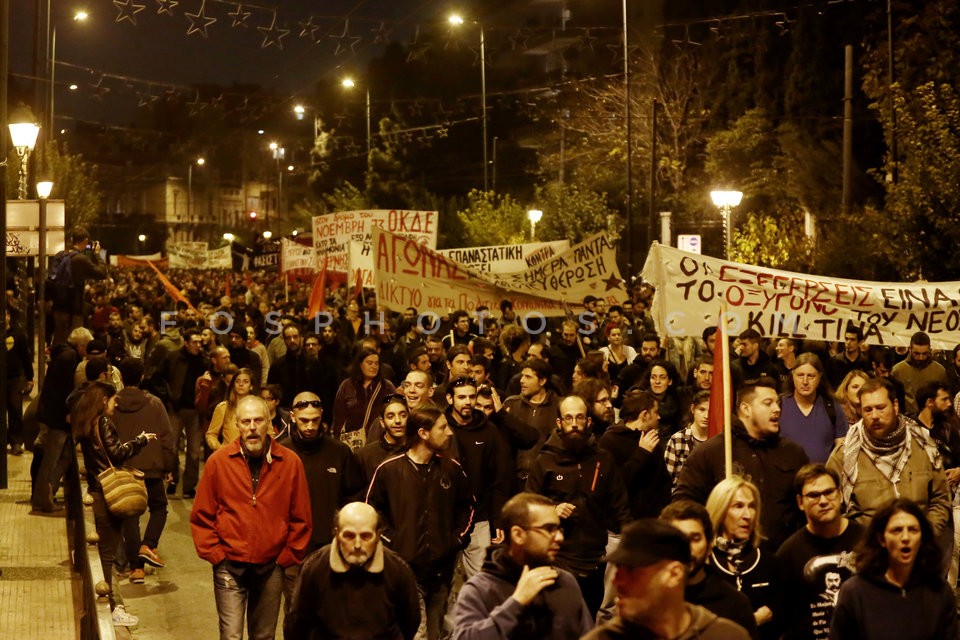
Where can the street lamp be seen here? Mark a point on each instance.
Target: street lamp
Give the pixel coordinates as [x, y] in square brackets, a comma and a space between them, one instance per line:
[278, 153]
[300, 112]
[79, 16]
[44, 187]
[23, 135]
[349, 83]
[457, 20]
[199, 162]
[534, 216]
[267, 234]
[726, 201]
[229, 237]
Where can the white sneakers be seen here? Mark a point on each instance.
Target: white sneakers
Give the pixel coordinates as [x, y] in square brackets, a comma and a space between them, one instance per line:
[123, 619]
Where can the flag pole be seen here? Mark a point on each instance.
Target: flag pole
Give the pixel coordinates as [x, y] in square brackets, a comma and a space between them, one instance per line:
[286, 287]
[727, 409]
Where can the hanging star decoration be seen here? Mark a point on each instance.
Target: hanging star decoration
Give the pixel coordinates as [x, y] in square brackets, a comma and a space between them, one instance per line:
[166, 7]
[345, 40]
[99, 90]
[145, 97]
[451, 40]
[128, 10]
[199, 21]
[273, 35]
[416, 108]
[381, 34]
[442, 132]
[240, 17]
[587, 40]
[518, 41]
[416, 50]
[308, 29]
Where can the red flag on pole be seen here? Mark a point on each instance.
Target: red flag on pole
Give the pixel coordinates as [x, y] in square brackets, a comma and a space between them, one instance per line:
[168, 286]
[319, 292]
[718, 407]
[358, 289]
[226, 286]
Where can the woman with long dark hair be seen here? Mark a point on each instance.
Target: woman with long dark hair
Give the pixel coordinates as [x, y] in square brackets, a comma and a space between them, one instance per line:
[662, 380]
[359, 399]
[101, 446]
[223, 427]
[899, 590]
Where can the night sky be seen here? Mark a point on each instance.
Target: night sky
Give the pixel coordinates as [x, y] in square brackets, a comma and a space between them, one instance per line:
[156, 55]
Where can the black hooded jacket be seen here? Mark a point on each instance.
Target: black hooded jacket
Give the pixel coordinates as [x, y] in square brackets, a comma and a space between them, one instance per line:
[644, 472]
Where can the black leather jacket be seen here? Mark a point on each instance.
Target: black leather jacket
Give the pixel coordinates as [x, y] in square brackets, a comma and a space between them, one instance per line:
[94, 456]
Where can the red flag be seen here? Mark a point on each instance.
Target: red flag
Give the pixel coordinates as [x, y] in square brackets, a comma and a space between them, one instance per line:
[358, 289]
[717, 405]
[174, 293]
[226, 286]
[318, 294]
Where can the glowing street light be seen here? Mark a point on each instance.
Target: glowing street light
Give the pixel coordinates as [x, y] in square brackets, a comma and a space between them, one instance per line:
[267, 234]
[457, 20]
[726, 201]
[534, 216]
[350, 83]
[23, 135]
[78, 16]
[199, 162]
[229, 237]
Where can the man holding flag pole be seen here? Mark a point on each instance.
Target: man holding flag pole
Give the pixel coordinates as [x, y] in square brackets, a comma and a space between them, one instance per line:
[750, 446]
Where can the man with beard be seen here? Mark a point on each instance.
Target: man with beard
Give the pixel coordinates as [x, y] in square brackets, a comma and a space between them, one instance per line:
[240, 355]
[631, 375]
[566, 351]
[295, 372]
[478, 447]
[436, 354]
[536, 406]
[816, 559]
[392, 441]
[753, 361]
[251, 485]
[519, 594]
[918, 369]
[425, 500]
[333, 475]
[584, 481]
[758, 453]
[704, 586]
[458, 366]
[887, 455]
[596, 393]
[354, 587]
[652, 563]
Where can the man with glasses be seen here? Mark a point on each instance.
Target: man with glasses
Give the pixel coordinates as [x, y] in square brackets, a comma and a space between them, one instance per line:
[520, 593]
[817, 557]
[251, 521]
[333, 475]
[590, 495]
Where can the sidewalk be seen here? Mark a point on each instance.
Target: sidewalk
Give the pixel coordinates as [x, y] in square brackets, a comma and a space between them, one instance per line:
[40, 595]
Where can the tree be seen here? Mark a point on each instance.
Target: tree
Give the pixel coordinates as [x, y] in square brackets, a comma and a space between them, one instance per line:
[571, 213]
[492, 219]
[772, 240]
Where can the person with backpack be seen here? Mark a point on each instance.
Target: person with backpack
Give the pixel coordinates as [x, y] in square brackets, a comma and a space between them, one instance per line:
[69, 270]
[810, 416]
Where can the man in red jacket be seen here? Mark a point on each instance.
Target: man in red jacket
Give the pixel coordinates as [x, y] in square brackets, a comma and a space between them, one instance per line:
[251, 520]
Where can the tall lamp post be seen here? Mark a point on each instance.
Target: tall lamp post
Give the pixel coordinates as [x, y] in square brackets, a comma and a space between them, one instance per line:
[348, 83]
[79, 16]
[457, 20]
[534, 216]
[726, 201]
[279, 153]
[23, 135]
[44, 187]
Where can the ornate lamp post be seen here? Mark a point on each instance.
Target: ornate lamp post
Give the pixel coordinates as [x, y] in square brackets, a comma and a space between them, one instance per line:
[726, 201]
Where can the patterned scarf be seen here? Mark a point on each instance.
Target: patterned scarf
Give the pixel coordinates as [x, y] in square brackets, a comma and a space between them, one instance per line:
[889, 454]
[734, 551]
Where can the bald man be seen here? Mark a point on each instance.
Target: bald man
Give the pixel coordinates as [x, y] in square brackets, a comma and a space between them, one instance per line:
[334, 476]
[354, 587]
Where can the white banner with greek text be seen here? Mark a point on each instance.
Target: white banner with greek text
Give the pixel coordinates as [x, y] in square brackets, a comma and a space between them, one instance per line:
[776, 303]
[333, 232]
[407, 274]
[191, 255]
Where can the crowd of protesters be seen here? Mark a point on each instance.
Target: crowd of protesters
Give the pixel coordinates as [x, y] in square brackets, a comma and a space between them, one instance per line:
[350, 465]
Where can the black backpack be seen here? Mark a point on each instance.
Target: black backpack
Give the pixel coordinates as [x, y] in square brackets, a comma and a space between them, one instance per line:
[58, 287]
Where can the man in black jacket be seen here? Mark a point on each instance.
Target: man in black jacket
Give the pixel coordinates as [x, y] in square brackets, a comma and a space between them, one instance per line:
[392, 440]
[183, 368]
[84, 264]
[586, 485]
[138, 410]
[48, 468]
[334, 477]
[479, 448]
[759, 454]
[295, 372]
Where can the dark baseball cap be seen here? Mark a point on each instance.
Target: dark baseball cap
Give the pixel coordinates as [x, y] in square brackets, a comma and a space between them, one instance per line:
[648, 541]
[95, 347]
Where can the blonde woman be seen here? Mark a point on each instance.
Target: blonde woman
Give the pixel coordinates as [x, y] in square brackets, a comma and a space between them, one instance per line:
[223, 427]
[848, 394]
[734, 508]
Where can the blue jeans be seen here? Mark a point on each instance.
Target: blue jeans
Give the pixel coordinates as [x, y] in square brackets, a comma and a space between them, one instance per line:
[250, 589]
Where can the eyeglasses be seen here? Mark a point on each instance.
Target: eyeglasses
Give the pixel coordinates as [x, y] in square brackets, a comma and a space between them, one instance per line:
[580, 419]
[550, 529]
[303, 404]
[816, 495]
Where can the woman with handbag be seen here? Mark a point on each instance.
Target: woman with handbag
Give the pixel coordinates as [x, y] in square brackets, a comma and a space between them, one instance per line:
[102, 450]
[359, 399]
